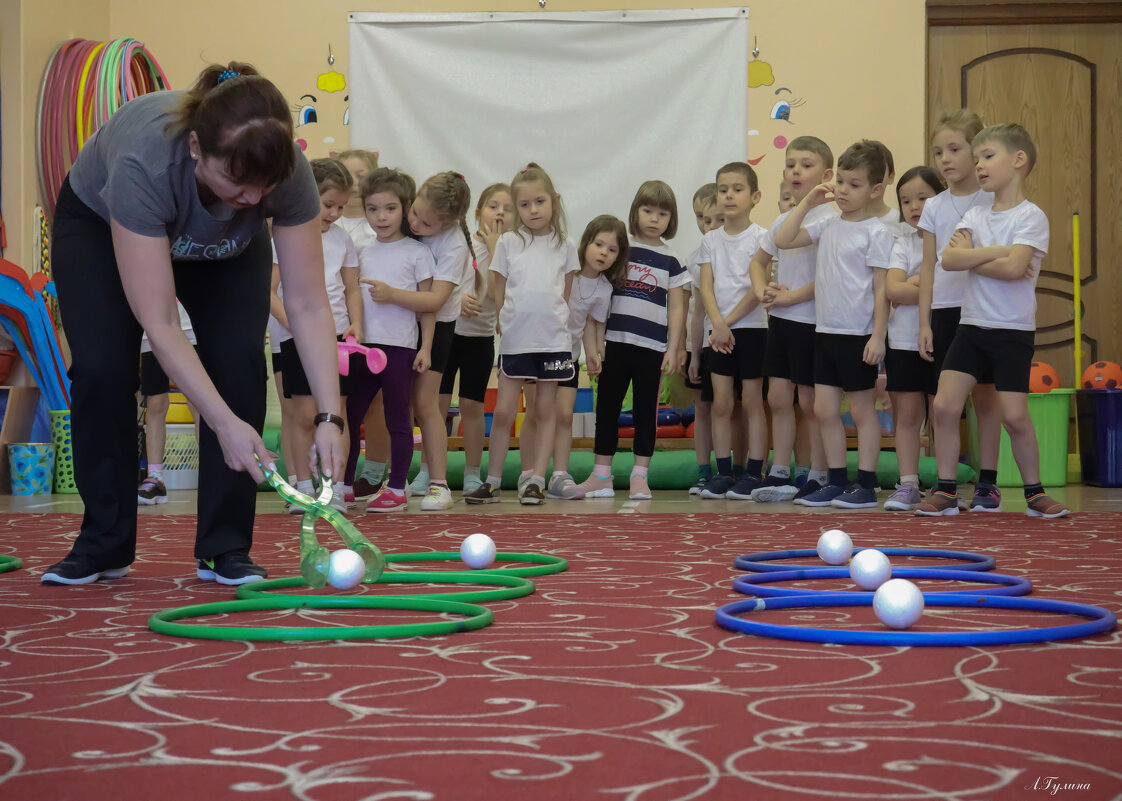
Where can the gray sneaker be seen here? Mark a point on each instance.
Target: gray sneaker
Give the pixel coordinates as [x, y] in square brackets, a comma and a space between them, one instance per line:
[419, 486]
[905, 499]
[563, 487]
[471, 484]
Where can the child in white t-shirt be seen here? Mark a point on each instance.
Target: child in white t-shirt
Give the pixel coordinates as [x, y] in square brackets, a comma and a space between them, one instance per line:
[941, 291]
[472, 355]
[603, 261]
[908, 373]
[1001, 248]
[359, 163]
[335, 188]
[737, 322]
[395, 268]
[851, 313]
[532, 275]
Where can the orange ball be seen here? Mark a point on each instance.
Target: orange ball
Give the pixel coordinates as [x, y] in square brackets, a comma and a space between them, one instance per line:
[1102, 375]
[1043, 377]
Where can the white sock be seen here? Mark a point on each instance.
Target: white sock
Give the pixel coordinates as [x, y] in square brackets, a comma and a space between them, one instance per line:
[639, 471]
[910, 480]
[156, 471]
[539, 480]
[495, 481]
[602, 470]
[780, 471]
[471, 472]
[305, 487]
[821, 476]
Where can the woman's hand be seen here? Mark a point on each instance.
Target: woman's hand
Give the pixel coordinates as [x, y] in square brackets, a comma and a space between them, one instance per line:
[328, 451]
[242, 448]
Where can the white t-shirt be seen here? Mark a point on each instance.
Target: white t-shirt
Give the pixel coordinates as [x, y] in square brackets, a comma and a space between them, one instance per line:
[184, 323]
[693, 268]
[452, 258]
[534, 317]
[403, 265]
[941, 216]
[903, 325]
[589, 298]
[730, 257]
[991, 302]
[338, 252]
[359, 229]
[848, 252]
[482, 324]
[797, 265]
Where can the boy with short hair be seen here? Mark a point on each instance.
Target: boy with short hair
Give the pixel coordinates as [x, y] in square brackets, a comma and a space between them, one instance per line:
[851, 313]
[789, 356]
[738, 330]
[1001, 246]
[708, 217]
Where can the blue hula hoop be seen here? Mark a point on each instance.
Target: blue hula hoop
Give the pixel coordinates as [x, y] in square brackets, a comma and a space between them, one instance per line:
[753, 584]
[1101, 620]
[761, 562]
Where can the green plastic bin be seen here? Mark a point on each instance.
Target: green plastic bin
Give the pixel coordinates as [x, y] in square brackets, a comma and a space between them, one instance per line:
[1051, 413]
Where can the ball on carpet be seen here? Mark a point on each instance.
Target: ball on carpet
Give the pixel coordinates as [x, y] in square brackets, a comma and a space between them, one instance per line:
[1102, 375]
[478, 551]
[835, 547]
[898, 603]
[345, 569]
[1043, 377]
[869, 568]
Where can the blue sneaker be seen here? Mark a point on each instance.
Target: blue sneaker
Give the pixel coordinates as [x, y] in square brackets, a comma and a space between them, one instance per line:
[820, 497]
[745, 485]
[718, 487]
[856, 497]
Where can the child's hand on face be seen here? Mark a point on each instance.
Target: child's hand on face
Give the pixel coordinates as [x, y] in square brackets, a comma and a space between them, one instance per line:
[470, 305]
[423, 361]
[491, 236]
[819, 195]
[961, 239]
[874, 350]
[380, 291]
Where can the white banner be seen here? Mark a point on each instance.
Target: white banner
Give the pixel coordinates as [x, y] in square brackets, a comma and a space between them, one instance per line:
[602, 100]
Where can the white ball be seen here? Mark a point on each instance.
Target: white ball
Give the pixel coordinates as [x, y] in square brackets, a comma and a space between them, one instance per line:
[478, 551]
[835, 547]
[869, 568]
[346, 569]
[898, 603]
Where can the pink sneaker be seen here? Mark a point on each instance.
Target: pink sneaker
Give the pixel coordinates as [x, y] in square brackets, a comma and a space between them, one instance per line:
[640, 489]
[387, 500]
[596, 487]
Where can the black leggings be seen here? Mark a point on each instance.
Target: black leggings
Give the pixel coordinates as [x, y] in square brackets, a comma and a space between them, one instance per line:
[228, 302]
[623, 365]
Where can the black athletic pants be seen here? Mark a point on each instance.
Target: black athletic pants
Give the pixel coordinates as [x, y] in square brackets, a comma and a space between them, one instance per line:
[628, 364]
[228, 302]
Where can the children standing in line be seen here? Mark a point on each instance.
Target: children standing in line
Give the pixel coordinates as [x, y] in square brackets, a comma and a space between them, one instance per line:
[909, 375]
[335, 188]
[438, 217]
[789, 360]
[941, 291]
[393, 261]
[472, 355]
[851, 313]
[533, 270]
[602, 252]
[643, 339]
[738, 330]
[1000, 248]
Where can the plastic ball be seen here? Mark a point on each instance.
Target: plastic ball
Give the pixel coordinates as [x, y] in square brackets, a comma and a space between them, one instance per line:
[1043, 377]
[345, 569]
[869, 568]
[478, 551]
[898, 603]
[835, 547]
[1102, 375]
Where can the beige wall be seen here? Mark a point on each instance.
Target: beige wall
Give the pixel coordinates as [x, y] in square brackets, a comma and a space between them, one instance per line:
[825, 51]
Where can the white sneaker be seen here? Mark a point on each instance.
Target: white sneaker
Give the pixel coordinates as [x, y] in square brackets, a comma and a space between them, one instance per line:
[438, 498]
[338, 497]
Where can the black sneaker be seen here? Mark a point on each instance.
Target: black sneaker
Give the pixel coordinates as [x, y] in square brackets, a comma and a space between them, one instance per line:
[718, 487]
[75, 570]
[151, 491]
[483, 494]
[531, 494]
[231, 568]
[809, 488]
[744, 487]
[365, 490]
[856, 497]
[823, 496]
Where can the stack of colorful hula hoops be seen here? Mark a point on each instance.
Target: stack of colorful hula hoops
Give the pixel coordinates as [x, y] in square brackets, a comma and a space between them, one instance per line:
[84, 84]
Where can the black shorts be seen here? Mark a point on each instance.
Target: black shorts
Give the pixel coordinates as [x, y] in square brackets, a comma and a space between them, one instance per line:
[746, 362]
[701, 371]
[278, 362]
[574, 382]
[838, 362]
[910, 372]
[153, 379]
[441, 345]
[294, 381]
[998, 356]
[944, 324]
[790, 351]
[538, 366]
[472, 358]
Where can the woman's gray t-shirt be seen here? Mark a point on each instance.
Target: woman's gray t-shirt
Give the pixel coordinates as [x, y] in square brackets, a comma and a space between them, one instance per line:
[136, 173]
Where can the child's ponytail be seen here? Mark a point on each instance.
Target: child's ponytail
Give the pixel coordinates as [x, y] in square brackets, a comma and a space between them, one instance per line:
[449, 195]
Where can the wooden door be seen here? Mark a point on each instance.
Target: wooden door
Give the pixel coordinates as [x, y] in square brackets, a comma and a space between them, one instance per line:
[1061, 81]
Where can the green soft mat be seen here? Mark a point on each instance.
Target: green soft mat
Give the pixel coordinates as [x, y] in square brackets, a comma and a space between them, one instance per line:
[670, 470]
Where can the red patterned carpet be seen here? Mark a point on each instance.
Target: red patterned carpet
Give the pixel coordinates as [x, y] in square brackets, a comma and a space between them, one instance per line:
[611, 681]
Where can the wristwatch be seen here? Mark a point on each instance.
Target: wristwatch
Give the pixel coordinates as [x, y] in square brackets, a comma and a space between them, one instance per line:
[328, 417]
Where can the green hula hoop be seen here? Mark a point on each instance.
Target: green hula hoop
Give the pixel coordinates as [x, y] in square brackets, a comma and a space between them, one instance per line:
[512, 586]
[10, 563]
[545, 563]
[475, 617]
